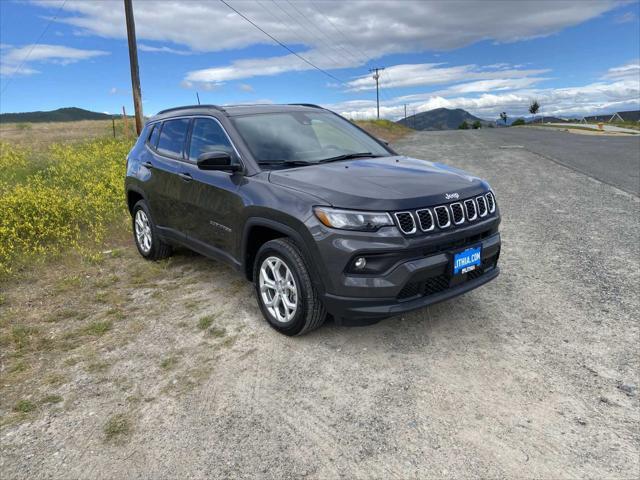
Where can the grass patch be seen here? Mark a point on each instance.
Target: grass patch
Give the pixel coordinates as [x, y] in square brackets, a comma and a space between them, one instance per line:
[24, 406]
[22, 336]
[217, 332]
[384, 129]
[168, 363]
[118, 427]
[55, 379]
[98, 328]
[206, 321]
[19, 367]
[51, 399]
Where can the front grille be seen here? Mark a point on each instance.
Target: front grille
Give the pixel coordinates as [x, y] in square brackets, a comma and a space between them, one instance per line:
[458, 213]
[491, 202]
[442, 215]
[442, 282]
[445, 216]
[470, 206]
[436, 284]
[406, 223]
[425, 217]
[482, 206]
[412, 289]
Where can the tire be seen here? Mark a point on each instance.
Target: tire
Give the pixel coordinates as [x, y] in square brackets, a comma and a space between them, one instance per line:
[151, 247]
[310, 312]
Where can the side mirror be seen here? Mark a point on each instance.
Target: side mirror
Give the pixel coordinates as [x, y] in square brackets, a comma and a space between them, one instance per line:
[383, 141]
[217, 160]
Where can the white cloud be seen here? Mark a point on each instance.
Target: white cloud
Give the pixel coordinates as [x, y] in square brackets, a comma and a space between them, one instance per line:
[13, 57]
[629, 71]
[164, 49]
[411, 75]
[357, 31]
[245, 87]
[598, 97]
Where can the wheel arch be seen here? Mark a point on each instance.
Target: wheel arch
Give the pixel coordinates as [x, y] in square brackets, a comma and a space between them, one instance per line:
[258, 231]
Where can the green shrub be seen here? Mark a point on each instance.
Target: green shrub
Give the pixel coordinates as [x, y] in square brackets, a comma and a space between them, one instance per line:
[519, 121]
[71, 200]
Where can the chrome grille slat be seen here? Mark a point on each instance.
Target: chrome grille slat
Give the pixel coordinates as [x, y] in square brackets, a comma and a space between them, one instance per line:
[406, 222]
[491, 202]
[482, 206]
[470, 207]
[442, 216]
[458, 213]
[425, 218]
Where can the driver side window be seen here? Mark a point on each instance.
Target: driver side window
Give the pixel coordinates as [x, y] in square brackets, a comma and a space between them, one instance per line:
[207, 136]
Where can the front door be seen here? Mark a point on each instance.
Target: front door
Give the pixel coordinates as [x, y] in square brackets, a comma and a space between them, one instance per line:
[210, 198]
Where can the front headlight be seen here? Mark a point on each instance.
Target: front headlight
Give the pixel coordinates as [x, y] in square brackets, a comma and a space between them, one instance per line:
[352, 219]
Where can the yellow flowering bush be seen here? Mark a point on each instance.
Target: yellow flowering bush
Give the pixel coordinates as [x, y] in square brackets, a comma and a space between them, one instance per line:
[73, 198]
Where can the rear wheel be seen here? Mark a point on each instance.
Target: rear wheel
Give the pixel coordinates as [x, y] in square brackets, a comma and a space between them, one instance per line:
[286, 295]
[145, 234]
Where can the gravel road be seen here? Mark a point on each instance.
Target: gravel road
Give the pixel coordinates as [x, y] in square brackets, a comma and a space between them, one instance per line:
[534, 375]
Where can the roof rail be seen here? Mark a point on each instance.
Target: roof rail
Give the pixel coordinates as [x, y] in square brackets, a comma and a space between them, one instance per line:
[183, 107]
[312, 105]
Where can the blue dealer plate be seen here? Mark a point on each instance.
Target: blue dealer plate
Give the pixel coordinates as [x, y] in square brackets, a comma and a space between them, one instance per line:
[467, 260]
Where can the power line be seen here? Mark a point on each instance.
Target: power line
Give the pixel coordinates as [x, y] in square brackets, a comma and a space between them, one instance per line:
[33, 45]
[282, 44]
[362, 52]
[318, 29]
[306, 32]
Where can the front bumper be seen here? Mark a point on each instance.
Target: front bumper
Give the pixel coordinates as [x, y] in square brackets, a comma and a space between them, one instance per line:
[412, 285]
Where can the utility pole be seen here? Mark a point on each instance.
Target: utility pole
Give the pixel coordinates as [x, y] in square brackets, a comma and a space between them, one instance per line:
[376, 77]
[133, 61]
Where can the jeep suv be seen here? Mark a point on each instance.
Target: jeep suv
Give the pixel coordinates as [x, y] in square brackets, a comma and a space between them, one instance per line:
[319, 215]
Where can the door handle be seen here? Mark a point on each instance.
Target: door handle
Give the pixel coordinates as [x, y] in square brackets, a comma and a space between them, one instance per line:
[185, 176]
[147, 164]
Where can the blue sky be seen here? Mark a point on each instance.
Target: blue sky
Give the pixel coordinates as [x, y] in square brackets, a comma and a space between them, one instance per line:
[575, 57]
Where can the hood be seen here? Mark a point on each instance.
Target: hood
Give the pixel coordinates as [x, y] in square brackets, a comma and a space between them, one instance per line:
[389, 183]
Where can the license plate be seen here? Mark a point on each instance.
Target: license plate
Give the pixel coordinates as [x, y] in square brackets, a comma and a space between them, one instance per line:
[467, 260]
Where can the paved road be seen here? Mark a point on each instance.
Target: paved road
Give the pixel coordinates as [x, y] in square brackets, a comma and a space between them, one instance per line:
[610, 159]
[606, 127]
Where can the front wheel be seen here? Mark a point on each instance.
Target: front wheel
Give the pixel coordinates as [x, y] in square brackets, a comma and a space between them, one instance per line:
[286, 295]
[145, 234]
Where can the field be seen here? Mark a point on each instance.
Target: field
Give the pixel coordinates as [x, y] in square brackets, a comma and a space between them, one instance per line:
[112, 367]
[39, 136]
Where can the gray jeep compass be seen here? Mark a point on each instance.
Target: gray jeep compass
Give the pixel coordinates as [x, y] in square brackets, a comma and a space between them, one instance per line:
[319, 215]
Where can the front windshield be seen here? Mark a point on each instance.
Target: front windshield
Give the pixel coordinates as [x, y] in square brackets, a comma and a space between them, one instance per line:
[303, 138]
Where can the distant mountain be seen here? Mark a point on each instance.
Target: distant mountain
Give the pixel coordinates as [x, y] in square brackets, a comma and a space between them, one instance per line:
[70, 114]
[441, 119]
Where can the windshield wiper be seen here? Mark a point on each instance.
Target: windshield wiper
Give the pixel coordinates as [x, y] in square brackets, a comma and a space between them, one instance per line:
[286, 162]
[348, 156]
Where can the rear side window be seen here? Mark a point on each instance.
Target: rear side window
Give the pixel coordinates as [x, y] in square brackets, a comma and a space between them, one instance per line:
[154, 135]
[207, 136]
[172, 137]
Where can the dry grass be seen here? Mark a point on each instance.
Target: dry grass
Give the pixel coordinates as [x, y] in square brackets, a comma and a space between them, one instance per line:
[384, 129]
[38, 136]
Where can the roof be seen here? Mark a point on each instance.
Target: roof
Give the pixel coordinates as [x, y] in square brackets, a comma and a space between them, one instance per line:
[233, 110]
[630, 115]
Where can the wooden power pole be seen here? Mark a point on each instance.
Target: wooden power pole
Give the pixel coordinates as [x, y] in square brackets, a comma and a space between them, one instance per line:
[133, 61]
[376, 77]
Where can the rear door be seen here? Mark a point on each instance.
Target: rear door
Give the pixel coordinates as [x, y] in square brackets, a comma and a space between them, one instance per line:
[210, 200]
[168, 156]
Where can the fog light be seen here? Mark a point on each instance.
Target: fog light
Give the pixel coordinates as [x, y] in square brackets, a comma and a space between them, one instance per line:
[360, 263]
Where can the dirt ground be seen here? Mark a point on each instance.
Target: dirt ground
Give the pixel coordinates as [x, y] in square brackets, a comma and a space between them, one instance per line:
[123, 368]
